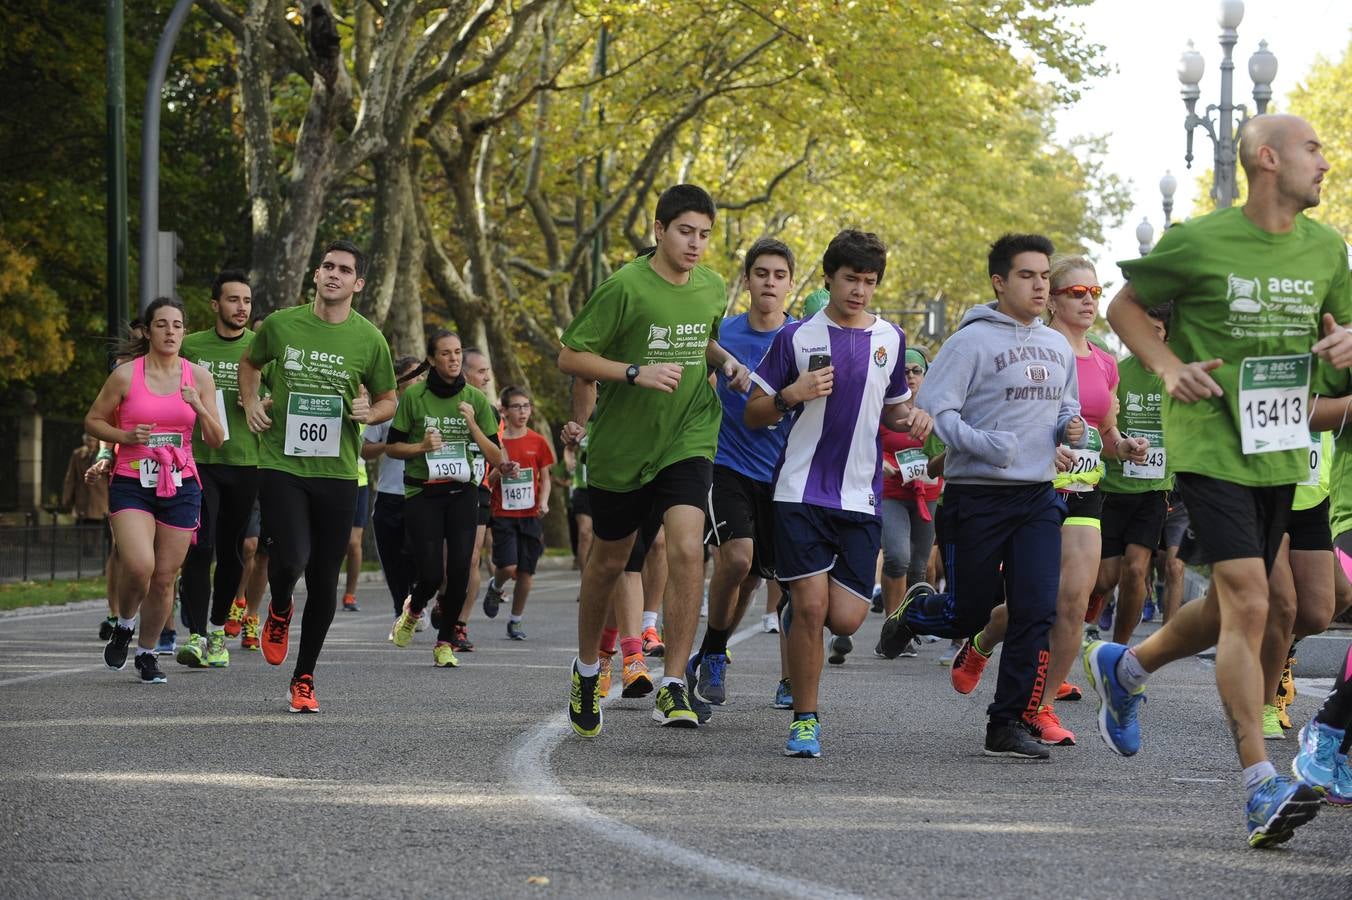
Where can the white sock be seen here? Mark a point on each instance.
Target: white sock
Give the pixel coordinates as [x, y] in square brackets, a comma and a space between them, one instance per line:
[129, 624]
[1130, 672]
[1256, 774]
[672, 679]
[513, 618]
[587, 670]
[649, 620]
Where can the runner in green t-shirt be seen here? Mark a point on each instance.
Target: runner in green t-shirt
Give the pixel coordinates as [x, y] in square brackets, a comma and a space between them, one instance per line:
[1252, 290]
[332, 374]
[647, 335]
[229, 476]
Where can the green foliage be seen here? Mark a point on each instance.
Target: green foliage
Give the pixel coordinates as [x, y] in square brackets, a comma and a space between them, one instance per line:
[1322, 99]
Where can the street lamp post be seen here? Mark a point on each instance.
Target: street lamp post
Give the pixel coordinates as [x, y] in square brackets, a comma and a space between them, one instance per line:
[1168, 184]
[1145, 235]
[1222, 128]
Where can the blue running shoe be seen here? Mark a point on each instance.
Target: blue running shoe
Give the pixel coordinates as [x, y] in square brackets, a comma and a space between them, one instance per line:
[1105, 619]
[1340, 791]
[713, 669]
[804, 738]
[784, 695]
[1318, 754]
[1148, 611]
[1278, 808]
[1117, 706]
[703, 711]
[167, 644]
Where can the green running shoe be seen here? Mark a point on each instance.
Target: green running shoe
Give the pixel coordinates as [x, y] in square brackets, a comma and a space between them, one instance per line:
[1272, 723]
[193, 652]
[404, 626]
[673, 707]
[584, 706]
[218, 657]
[443, 655]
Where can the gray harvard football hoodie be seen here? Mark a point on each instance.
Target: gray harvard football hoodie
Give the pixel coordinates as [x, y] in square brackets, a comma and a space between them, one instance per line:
[1001, 395]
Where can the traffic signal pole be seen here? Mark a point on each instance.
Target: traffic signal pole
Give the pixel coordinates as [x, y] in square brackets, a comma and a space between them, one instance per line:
[116, 156]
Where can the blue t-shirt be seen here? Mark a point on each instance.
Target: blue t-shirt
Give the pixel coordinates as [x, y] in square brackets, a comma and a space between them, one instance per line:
[754, 452]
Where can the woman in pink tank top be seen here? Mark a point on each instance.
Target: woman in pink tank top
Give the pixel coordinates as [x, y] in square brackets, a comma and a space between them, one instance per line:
[148, 407]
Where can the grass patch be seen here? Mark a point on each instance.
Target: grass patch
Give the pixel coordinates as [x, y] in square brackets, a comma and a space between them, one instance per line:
[16, 594]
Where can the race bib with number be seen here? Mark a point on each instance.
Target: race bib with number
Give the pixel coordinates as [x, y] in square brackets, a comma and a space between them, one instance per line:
[480, 468]
[450, 463]
[1153, 467]
[1087, 459]
[149, 469]
[518, 492]
[1316, 459]
[1274, 399]
[914, 465]
[314, 424]
[220, 413]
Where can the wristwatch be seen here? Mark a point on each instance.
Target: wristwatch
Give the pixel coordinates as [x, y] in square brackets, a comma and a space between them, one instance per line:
[631, 374]
[780, 403]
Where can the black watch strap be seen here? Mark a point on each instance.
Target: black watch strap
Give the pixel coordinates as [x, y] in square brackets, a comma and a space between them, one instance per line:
[780, 403]
[631, 374]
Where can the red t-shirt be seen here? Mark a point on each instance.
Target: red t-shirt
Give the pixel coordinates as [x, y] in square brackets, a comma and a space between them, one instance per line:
[893, 486]
[522, 498]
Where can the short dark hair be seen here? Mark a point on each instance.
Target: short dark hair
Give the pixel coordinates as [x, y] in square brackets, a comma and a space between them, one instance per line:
[767, 247]
[1000, 259]
[683, 198]
[226, 276]
[345, 246]
[510, 391]
[1162, 313]
[862, 251]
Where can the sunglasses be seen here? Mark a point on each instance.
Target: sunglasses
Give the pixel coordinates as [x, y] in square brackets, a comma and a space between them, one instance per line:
[1080, 291]
[915, 370]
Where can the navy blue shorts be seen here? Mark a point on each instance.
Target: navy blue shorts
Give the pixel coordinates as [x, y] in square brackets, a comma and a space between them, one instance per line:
[812, 540]
[363, 506]
[181, 511]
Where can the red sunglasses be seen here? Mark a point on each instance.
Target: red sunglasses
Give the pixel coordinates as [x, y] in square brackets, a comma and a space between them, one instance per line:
[1080, 291]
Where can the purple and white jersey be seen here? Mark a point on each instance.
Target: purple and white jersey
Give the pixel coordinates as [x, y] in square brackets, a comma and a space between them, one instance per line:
[832, 458]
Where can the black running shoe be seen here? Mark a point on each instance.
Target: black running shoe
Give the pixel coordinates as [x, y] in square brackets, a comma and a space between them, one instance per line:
[584, 707]
[149, 667]
[1013, 740]
[115, 652]
[106, 628]
[896, 634]
[841, 645]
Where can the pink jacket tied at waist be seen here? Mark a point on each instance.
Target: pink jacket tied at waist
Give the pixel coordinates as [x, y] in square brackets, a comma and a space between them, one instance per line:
[169, 458]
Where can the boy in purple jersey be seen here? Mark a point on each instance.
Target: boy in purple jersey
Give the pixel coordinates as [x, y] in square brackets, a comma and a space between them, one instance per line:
[841, 373]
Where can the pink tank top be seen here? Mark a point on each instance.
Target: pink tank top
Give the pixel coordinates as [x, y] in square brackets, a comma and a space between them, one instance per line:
[172, 416]
[1097, 374]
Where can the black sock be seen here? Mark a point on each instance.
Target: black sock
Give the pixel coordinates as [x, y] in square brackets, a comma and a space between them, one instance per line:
[798, 717]
[715, 640]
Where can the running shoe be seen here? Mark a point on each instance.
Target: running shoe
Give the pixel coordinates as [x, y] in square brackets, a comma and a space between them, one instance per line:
[1117, 707]
[515, 631]
[1047, 728]
[896, 633]
[1091, 634]
[1012, 740]
[911, 650]
[492, 599]
[1283, 719]
[421, 624]
[1340, 791]
[1105, 619]
[1277, 808]
[703, 711]
[405, 624]
[148, 665]
[841, 645]
[106, 627]
[673, 707]
[1286, 692]
[652, 642]
[1069, 692]
[193, 652]
[115, 652]
[968, 665]
[710, 688]
[443, 655]
[1095, 608]
[878, 598]
[168, 643]
[303, 699]
[1272, 723]
[584, 705]
[1317, 758]
[804, 738]
[946, 657]
[350, 603]
[603, 677]
[276, 636]
[434, 615]
[637, 681]
[1148, 611]
[460, 639]
[218, 657]
[248, 639]
[769, 623]
[784, 695]
[234, 622]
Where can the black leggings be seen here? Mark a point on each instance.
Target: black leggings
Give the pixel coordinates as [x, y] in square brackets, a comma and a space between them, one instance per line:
[308, 522]
[441, 531]
[392, 547]
[1337, 709]
[228, 494]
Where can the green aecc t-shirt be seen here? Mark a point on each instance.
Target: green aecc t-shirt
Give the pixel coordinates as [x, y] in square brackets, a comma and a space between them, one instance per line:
[1140, 397]
[221, 358]
[420, 409]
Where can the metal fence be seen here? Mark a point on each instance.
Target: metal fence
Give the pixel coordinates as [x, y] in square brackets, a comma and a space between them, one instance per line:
[38, 552]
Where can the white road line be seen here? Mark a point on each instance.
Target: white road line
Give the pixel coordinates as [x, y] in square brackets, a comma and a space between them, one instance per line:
[41, 675]
[528, 766]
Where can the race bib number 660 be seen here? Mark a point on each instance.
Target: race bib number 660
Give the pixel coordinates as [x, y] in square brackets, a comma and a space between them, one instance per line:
[314, 424]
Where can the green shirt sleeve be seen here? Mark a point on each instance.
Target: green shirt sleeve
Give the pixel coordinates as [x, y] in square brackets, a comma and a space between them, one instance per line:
[598, 322]
[261, 351]
[403, 414]
[1164, 274]
[379, 377]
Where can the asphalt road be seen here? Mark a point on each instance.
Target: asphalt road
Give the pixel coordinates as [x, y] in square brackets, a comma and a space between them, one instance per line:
[414, 781]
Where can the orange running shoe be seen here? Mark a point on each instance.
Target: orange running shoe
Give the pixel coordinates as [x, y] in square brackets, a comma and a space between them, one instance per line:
[234, 621]
[637, 681]
[968, 665]
[1068, 691]
[350, 603]
[603, 677]
[248, 640]
[276, 635]
[1047, 728]
[652, 642]
[303, 698]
